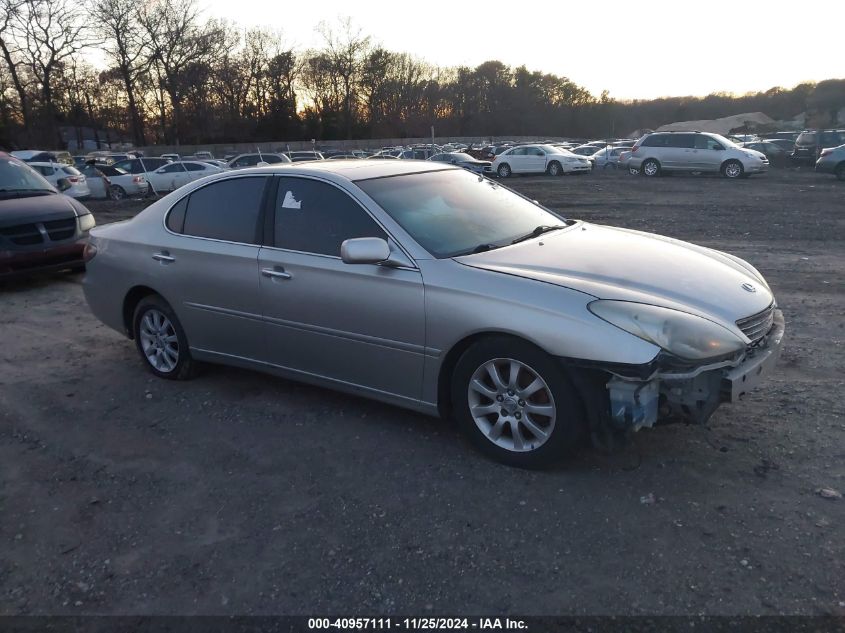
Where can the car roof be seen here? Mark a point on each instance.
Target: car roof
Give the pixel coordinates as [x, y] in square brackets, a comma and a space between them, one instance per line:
[351, 170]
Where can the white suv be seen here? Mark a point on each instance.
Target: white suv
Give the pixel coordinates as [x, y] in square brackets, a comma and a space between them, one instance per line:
[694, 151]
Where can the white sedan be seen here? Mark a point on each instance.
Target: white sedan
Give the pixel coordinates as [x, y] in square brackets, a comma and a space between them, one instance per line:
[539, 159]
[173, 175]
[54, 172]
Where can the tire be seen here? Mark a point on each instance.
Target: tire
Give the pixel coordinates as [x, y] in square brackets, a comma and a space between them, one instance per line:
[650, 168]
[117, 192]
[554, 169]
[633, 172]
[840, 171]
[161, 341]
[533, 432]
[504, 170]
[732, 169]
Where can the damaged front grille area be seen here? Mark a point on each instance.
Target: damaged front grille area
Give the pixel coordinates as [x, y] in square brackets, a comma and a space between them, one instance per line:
[756, 326]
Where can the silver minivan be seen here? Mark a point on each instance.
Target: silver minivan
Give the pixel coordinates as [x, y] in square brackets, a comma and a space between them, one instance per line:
[662, 152]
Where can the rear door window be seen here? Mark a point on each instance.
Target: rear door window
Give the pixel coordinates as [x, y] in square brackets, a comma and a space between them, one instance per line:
[225, 210]
[686, 141]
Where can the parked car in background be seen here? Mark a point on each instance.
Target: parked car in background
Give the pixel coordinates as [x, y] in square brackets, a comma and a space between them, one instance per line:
[141, 166]
[584, 150]
[298, 157]
[54, 172]
[203, 156]
[251, 160]
[43, 156]
[171, 157]
[417, 153]
[464, 160]
[608, 157]
[810, 143]
[785, 144]
[40, 228]
[344, 157]
[533, 315]
[121, 184]
[777, 155]
[622, 163]
[832, 161]
[660, 152]
[98, 183]
[383, 155]
[179, 173]
[222, 164]
[538, 159]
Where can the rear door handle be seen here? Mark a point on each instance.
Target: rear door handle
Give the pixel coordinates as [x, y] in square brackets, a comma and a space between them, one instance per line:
[164, 257]
[275, 273]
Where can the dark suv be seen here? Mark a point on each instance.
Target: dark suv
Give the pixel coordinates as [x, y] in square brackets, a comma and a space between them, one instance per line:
[810, 143]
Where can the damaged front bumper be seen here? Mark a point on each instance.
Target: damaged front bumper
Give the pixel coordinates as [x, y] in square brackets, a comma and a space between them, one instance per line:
[691, 394]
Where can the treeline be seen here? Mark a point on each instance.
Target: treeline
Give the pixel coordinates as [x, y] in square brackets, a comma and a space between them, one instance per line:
[174, 76]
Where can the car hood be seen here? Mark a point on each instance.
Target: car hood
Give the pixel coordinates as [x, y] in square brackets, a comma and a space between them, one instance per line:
[626, 265]
[35, 208]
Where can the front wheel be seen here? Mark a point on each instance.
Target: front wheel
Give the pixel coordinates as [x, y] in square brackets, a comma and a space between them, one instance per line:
[504, 170]
[555, 169]
[117, 192]
[732, 169]
[161, 341]
[515, 403]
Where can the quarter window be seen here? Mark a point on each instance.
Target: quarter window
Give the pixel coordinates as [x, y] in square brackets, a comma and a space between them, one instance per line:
[224, 210]
[172, 168]
[315, 217]
[194, 167]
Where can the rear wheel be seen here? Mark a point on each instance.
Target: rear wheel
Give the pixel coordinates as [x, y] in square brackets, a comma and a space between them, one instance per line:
[117, 192]
[515, 403]
[650, 168]
[161, 341]
[504, 170]
[732, 169]
[554, 168]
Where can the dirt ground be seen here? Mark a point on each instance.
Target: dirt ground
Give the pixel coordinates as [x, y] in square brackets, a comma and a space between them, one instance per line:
[239, 493]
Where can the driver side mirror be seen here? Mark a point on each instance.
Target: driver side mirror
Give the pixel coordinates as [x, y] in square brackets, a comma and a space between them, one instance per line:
[63, 184]
[364, 250]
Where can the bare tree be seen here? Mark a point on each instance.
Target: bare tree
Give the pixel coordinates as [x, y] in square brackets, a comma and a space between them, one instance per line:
[345, 51]
[176, 40]
[53, 32]
[10, 22]
[115, 20]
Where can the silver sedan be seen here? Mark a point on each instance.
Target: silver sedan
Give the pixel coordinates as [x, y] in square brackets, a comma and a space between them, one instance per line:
[431, 288]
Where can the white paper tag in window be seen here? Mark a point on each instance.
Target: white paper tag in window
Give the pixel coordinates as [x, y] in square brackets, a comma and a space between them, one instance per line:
[290, 202]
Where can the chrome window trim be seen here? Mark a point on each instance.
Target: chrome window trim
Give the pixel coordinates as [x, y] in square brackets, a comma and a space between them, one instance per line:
[276, 248]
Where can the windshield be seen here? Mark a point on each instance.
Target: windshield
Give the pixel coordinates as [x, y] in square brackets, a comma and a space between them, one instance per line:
[17, 176]
[461, 156]
[453, 212]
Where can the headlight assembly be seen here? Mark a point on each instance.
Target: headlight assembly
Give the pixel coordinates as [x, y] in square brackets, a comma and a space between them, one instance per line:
[684, 335]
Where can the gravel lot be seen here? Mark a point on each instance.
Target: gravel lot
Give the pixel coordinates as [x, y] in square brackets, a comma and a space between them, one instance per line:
[239, 493]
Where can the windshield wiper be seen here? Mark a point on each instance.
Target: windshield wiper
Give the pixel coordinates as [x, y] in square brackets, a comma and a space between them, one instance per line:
[17, 192]
[539, 230]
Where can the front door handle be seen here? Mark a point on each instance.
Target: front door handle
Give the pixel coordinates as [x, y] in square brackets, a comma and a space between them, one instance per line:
[164, 257]
[275, 273]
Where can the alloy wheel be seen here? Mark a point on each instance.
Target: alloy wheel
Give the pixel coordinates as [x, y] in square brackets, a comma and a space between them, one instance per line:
[159, 341]
[511, 405]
